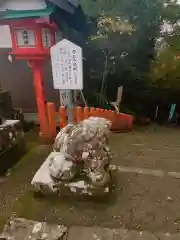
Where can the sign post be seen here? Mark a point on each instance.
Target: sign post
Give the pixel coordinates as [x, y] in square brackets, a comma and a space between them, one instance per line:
[66, 100]
[67, 69]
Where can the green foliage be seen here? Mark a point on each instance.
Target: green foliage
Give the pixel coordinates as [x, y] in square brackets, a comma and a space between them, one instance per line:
[165, 68]
[171, 11]
[95, 8]
[128, 39]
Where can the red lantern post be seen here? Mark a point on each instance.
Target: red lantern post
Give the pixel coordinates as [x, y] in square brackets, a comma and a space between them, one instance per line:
[37, 67]
[31, 41]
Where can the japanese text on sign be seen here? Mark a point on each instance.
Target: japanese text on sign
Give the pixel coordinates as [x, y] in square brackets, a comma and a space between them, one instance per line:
[66, 58]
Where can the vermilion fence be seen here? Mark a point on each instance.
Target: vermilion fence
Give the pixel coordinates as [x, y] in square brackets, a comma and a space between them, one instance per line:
[120, 122]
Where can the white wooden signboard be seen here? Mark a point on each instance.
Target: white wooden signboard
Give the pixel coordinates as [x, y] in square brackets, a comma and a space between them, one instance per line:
[67, 69]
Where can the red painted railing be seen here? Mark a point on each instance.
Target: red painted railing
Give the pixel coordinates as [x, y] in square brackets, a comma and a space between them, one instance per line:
[120, 122]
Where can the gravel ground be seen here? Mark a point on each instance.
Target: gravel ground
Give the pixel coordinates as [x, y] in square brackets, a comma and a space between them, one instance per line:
[140, 202]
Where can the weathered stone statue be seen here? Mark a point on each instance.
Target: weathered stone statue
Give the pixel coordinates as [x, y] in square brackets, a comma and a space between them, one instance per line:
[80, 159]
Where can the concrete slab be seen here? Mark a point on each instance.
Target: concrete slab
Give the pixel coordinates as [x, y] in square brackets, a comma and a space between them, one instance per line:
[93, 233]
[133, 235]
[90, 233]
[143, 171]
[97, 233]
[168, 236]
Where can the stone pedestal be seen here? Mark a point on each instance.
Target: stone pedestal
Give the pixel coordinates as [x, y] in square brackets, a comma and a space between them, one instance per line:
[43, 183]
[12, 143]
